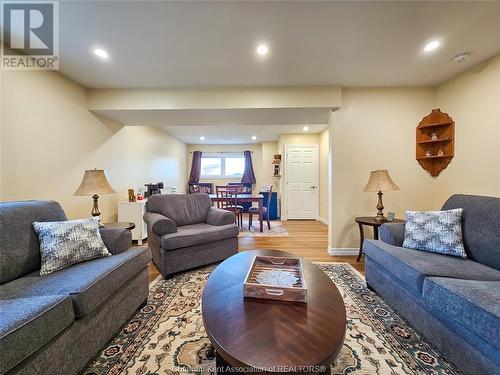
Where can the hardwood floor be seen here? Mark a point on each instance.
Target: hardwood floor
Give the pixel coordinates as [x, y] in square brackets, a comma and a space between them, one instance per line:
[307, 238]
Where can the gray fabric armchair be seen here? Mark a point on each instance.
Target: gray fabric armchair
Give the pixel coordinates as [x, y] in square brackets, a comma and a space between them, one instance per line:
[185, 231]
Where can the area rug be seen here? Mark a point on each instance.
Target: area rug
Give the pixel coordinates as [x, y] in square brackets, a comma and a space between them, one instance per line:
[277, 229]
[167, 335]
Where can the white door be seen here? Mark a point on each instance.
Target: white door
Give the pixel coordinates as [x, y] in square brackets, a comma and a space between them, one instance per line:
[302, 182]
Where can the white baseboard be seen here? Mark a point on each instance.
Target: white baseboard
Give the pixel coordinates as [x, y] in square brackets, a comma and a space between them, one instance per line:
[323, 220]
[342, 251]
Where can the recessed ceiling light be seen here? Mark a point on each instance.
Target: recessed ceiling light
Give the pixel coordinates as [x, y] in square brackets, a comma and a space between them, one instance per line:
[262, 50]
[305, 128]
[462, 57]
[202, 138]
[431, 46]
[254, 137]
[101, 53]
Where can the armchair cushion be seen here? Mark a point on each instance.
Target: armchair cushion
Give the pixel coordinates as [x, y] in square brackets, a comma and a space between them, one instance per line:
[117, 240]
[219, 217]
[392, 233]
[198, 234]
[181, 209]
[160, 224]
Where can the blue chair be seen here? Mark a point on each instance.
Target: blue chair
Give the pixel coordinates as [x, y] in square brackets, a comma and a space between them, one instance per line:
[265, 210]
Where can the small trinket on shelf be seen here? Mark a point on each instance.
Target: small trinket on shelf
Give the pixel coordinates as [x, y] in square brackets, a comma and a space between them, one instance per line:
[440, 153]
[434, 136]
[428, 153]
[140, 195]
[131, 195]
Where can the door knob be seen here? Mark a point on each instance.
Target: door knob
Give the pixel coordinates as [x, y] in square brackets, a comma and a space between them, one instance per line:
[313, 187]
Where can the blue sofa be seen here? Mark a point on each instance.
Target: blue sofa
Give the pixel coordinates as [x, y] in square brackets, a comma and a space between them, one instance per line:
[453, 302]
[55, 324]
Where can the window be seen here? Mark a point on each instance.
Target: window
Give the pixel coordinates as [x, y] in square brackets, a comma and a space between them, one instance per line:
[211, 167]
[222, 165]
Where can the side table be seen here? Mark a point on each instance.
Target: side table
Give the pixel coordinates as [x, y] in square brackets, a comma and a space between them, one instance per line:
[370, 221]
[121, 225]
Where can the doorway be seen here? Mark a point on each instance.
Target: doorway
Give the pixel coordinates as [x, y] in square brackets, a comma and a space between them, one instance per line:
[302, 181]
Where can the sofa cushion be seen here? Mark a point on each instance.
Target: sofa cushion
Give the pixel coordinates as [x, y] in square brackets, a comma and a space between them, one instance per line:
[29, 323]
[182, 209]
[413, 266]
[480, 227]
[89, 283]
[474, 304]
[435, 231]
[64, 243]
[197, 234]
[20, 250]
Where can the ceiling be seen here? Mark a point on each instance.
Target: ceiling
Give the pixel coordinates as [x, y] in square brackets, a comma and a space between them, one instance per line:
[237, 134]
[207, 44]
[225, 126]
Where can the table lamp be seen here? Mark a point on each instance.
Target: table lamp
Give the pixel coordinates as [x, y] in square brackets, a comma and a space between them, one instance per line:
[380, 181]
[94, 182]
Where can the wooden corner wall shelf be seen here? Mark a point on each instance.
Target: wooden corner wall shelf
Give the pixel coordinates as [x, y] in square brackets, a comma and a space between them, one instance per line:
[435, 142]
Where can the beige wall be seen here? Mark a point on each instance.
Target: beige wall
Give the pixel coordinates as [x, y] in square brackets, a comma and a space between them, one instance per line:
[472, 99]
[324, 149]
[211, 98]
[297, 139]
[49, 138]
[269, 149]
[375, 129]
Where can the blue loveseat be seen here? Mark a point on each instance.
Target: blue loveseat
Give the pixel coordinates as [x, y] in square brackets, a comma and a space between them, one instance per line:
[453, 302]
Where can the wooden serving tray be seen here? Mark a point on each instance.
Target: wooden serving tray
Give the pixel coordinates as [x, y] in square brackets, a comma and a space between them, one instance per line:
[277, 278]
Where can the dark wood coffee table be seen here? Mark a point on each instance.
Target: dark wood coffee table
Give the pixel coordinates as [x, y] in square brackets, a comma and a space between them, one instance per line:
[272, 336]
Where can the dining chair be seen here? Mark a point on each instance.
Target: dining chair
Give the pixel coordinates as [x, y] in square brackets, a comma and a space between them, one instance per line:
[227, 199]
[265, 209]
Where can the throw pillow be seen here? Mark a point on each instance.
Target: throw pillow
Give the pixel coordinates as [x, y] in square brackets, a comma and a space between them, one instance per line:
[435, 231]
[64, 243]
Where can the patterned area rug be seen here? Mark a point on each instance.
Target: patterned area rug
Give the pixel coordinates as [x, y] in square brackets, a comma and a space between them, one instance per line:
[167, 335]
[277, 229]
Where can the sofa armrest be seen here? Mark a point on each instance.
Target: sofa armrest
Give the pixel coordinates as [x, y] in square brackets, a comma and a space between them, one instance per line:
[392, 233]
[159, 224]
[219, 217]
[116, 240]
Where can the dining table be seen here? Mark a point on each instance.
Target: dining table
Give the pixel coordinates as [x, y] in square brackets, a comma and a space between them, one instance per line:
[246, 198]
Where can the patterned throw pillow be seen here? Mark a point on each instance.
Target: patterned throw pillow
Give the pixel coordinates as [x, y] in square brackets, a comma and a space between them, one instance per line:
[64, 243]
[435, 231]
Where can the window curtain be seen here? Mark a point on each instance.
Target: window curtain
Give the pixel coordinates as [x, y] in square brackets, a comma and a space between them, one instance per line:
[194, 177]
[248, 174]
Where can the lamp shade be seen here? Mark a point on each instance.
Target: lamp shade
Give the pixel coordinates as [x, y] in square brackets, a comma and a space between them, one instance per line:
[94, 182]
[380, 181]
